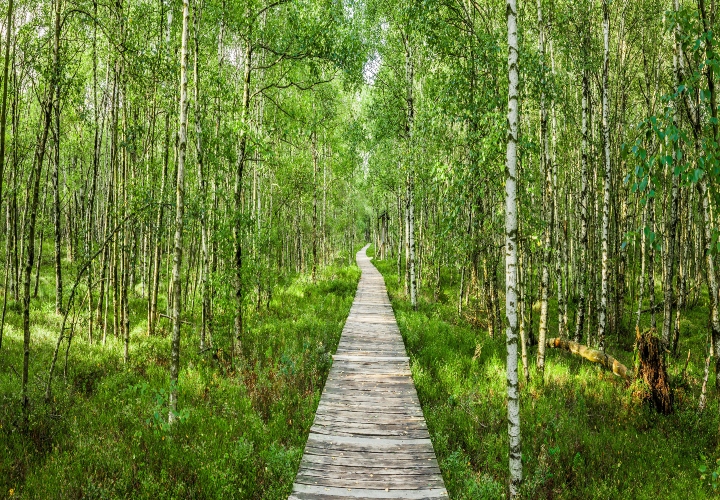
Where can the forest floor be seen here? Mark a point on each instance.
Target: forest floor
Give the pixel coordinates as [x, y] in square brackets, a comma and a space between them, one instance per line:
[241, 432]
[585, 433]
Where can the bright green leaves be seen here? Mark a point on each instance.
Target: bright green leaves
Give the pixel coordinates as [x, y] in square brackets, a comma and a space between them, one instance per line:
[696, 175]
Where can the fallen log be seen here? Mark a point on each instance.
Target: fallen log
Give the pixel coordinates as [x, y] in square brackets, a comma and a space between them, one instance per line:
[599, 357]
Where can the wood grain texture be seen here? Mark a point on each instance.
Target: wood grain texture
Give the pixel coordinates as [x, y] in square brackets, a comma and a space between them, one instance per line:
[369, 438]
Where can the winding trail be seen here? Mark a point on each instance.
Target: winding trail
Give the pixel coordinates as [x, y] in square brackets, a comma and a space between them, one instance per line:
[369, 438]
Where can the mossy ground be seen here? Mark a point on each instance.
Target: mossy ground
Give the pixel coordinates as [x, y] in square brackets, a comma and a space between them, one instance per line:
[104, 435]
[585, 433]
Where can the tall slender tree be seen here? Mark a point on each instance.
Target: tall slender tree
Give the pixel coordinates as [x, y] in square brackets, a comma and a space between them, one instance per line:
[511, 227]
[605, 264]
[179, 214]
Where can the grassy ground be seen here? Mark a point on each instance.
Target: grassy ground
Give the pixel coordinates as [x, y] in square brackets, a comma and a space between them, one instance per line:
[241, 433]
[585, 433]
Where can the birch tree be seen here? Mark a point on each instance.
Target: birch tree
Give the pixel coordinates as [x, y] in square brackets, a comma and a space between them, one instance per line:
[605, 264]
[546, 168]
[179, 214]
[511, 227]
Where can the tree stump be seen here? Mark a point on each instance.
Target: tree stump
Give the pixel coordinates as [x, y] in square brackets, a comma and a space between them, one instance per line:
[652, 371]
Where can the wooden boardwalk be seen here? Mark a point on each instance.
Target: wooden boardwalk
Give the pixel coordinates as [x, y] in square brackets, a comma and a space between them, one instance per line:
[369, 439]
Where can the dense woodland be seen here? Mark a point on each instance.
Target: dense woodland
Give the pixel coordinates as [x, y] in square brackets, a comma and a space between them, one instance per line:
[184, 185]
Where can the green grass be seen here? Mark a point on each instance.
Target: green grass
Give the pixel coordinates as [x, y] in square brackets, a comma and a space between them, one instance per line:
[585, 434]
[241, 435]
[241, 432]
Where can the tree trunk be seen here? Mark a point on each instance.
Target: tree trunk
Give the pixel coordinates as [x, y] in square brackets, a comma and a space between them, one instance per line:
[56, 211]
[409, 126]
[315, 202]
[511, 225]
[33, 205]
[605, 264]
[3, 113]
[710, 277]
[179, 213]
[157, 257]
[206, 313]
[671, 225]
[593, 355]
[239, 286]
[547, 169]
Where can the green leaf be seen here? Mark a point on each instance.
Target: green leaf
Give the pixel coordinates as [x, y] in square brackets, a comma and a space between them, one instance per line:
[697, 174]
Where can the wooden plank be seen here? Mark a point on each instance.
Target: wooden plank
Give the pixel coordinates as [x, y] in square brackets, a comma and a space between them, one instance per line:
[369, 462]
[302, 492]
[369, 359]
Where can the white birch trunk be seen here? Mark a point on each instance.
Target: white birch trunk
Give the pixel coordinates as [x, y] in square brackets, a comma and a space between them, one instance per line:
[602, 310]
[511, 225]
[669, 254]
[580, 320]
[710, 276]
[546, 165]
[202, 185]
[409, 75]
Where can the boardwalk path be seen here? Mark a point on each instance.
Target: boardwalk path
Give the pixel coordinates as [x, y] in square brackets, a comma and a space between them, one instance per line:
[369, 438]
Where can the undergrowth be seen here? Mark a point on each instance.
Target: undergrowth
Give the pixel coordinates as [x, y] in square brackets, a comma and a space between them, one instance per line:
[241, 431]
[585, 433]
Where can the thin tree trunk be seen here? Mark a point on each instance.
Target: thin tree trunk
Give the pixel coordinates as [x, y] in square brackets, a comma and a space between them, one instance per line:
[206, 313]
[400, 236]
[671, 225]
[157, 258]
[239, 285]
[710, 277]
[93, 187]
[605, 264]
[643, 264]
[651, 255]
[56, 212]
[3, 116]
[409, 129]
[547, 205]
[315, 201]
[179, 213]
[522, 281]
[32, 207]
